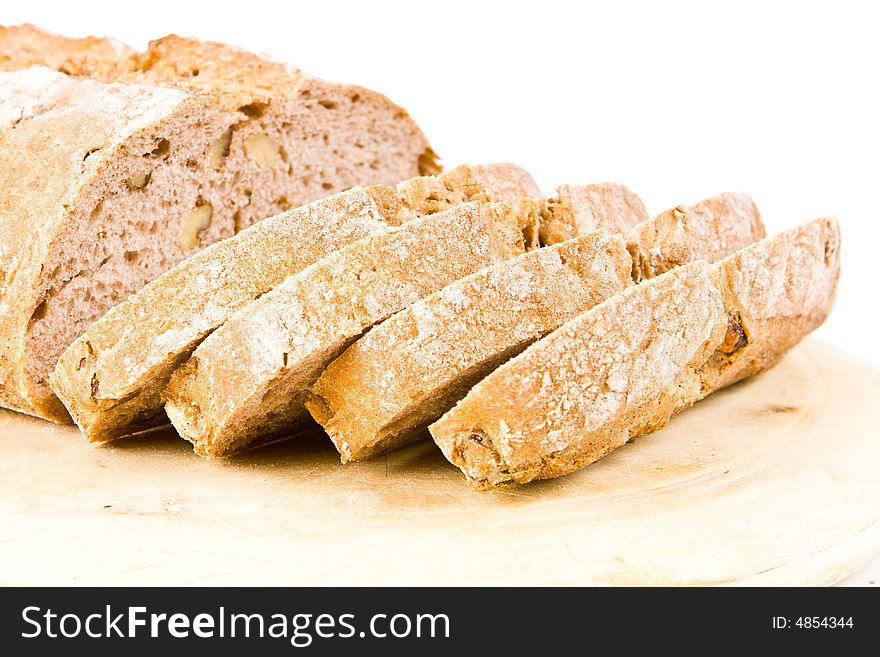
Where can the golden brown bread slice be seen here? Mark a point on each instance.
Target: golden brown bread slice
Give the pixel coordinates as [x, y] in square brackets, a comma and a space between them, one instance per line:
[249, 377]
[410, 369]
[623, 368]
[405, 372]
[111, 378]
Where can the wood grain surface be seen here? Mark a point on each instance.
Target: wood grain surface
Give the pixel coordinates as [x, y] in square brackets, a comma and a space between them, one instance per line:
[774, 481]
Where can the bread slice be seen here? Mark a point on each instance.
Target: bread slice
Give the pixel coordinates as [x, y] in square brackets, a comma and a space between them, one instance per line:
[249, 377]
[112, 376]
[581, 209]
[625, 367]
[109, 182]
[407, 371]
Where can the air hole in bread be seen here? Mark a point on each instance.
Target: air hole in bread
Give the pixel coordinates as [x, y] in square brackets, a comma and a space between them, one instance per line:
[161, 149]
[326, 138]
[90, 152]
[132, 256]
[326, 185]
[355, 98]
[253, 110]
[39, 312]
[328, 104]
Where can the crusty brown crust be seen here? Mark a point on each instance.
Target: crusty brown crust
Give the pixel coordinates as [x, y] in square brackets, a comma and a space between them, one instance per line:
[709, 230]
[409, 369]
[580, 209]
[111, 378]
[250, 376]
[625, 367]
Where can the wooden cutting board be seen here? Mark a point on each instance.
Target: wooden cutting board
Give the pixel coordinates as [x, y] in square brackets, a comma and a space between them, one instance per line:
[775, 481]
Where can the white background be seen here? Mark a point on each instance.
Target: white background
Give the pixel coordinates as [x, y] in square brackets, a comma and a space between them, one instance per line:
[677, 100]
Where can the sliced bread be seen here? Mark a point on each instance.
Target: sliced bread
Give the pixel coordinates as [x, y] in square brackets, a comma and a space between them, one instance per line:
[623, 368]
[407, 371]
[249, 378]
[111, 377]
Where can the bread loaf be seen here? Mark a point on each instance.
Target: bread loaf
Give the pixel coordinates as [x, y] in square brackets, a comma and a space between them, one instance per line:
[249, 378]
[108, 182]
[623, 368]
[111, 377]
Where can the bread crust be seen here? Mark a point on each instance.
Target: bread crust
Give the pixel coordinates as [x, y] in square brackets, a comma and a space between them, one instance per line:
[407, 370]
[111, 378]
[249, 378]
[625, 367]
